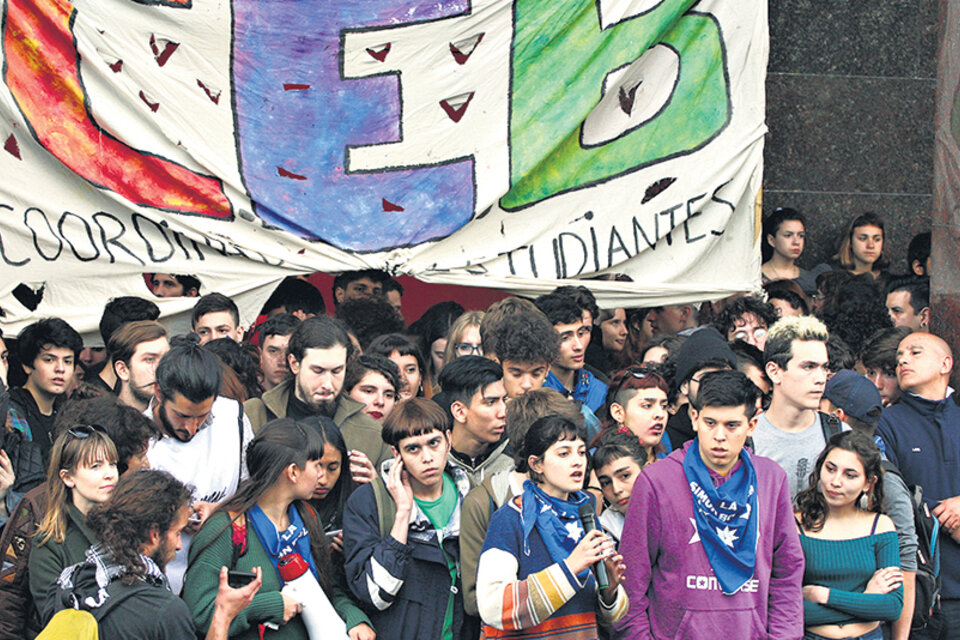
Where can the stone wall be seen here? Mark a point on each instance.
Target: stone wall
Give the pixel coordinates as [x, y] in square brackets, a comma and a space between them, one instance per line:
[850, 111]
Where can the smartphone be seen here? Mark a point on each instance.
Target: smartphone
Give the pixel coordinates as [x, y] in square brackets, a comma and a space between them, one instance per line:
[333, 534]
[237, 579]
[194, 518]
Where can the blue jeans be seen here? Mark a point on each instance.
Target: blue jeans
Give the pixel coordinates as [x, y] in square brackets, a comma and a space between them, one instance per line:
[876, 634]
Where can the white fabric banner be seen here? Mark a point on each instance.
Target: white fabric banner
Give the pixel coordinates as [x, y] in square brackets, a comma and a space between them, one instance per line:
[509, 144]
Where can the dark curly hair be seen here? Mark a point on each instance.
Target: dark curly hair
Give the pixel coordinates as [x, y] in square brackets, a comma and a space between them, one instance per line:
[142, 502]
[859, 311]
[527, 337]
[369, 318]
[737, 307]
[129, 429]
[810, 502]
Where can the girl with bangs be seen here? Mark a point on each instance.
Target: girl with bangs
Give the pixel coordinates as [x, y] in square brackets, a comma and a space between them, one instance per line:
[534, 576]
[82, 473]
[266, 519]
[637, 404]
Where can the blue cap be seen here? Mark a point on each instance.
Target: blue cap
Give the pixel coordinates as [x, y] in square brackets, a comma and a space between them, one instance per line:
[855, 394]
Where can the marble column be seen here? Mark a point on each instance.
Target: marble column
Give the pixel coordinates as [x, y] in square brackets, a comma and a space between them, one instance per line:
[945, 279]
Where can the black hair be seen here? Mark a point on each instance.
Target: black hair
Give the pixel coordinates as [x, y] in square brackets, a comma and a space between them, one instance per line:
[414, 417]
[142, 503]
[276, 446]
[613, 445]
[343, 280]
[738, 307]
[726, 389]
[369, 318]
[789, 291]
[771, 224]
[810, 502]
[119, 311]
[559, 308]
[671, 343]
[917, 286]
[435, 322]
[295, 294]
[839, 355]
[462, 378]
[404, 346]
[359, 366]
[47, 332]
[330, 508]
[213, 303]
[919, 251]
[188, 281]
[129, 429]
[282, 324]
[191, 371]
[858, 311]
[390, 284]
[879, 351]
[541, 435]
[240, 360]
[318, 332]
[526, 338]
[582, 296]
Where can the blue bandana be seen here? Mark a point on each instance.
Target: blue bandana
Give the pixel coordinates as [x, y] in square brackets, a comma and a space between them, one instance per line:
[725, 517]
[278, 544]
[558, 522]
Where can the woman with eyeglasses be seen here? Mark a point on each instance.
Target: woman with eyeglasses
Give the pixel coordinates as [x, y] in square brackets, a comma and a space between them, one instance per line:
[637, 404]
[464, 337]
[82, 473]
[267, 519]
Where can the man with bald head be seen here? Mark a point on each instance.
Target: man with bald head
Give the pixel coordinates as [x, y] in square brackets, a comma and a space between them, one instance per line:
[921, 434]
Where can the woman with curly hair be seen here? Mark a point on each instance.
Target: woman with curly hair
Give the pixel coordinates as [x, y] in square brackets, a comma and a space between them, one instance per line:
[852, 579]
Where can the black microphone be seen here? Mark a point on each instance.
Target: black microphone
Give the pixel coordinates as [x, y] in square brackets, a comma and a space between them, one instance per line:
[589, 522]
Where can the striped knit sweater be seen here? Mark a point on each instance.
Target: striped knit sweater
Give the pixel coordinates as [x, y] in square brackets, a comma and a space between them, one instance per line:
[530, 596]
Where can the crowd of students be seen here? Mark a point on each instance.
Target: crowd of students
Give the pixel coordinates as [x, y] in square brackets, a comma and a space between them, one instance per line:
[540, 468]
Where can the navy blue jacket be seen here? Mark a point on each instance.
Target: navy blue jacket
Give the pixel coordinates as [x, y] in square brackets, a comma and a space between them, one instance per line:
[404, 587]
[922, 437]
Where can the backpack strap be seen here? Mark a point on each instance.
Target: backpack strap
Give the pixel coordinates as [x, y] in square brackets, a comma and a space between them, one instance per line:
[830, 424]
[386, 507]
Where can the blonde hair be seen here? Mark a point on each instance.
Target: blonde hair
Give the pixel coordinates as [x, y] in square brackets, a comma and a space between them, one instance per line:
[67, 454]
[780, 337]
[457, 329]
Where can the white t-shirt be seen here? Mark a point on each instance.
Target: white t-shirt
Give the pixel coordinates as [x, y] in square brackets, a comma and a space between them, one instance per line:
[212, 463]
[796, 452]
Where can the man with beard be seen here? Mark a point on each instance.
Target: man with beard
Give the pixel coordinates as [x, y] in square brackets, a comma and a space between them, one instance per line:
[135, 351]
[202, 436]
[317, 354]
[121, 581]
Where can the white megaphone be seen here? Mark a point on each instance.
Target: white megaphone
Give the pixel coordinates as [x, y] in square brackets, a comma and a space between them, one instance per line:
[319, 616]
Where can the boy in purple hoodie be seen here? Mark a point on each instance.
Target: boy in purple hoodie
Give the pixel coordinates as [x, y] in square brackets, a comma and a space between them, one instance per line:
[709, 541]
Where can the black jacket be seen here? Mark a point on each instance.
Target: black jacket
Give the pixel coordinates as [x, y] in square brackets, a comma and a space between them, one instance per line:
[144, 611]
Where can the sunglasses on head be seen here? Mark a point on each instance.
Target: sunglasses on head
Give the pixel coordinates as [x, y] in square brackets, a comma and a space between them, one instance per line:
[82, 431]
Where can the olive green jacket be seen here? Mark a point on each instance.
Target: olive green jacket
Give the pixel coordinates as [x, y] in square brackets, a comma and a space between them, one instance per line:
[360, 431]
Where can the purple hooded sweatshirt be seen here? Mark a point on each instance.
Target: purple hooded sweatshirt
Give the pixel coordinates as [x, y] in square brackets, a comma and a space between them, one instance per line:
[672, 589]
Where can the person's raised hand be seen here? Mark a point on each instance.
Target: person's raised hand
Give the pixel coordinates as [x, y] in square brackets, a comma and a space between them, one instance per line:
[361, 469]
[398, 484]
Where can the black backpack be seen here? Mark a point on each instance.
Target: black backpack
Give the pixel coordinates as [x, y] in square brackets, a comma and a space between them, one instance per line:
[928, 554]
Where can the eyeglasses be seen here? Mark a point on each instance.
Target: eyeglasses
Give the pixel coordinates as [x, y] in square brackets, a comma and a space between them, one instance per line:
[757, 333]
[466, 349]
[82, 431]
